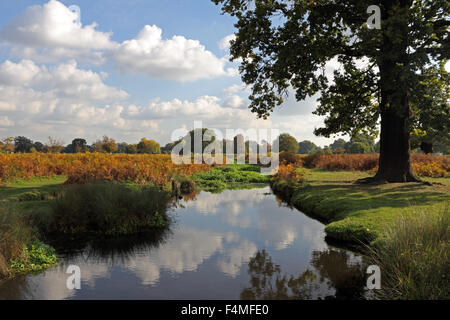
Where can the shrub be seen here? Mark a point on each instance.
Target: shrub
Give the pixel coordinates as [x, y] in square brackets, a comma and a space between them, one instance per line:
[289, 158]
[106, 209]
[86, 168]
[422, 165]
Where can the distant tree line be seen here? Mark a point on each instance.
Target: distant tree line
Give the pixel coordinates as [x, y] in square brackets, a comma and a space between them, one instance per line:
[358, 144]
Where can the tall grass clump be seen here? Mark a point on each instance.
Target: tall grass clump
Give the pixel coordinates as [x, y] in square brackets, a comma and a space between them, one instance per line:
[14, 235]
[106, 208]
[20, 250]
[414, 258]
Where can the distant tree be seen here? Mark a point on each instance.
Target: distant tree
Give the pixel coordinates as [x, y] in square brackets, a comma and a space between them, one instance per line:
[318, 150]
[77, 146]
[364, 138]
[288, 143]
[358, 148]
[122, 147]
[22, 145]
[107, 145]
[131, 149]
[307, 147]
[431, 116]
[339, 143]
[148, 146]
[7, 145]
[327, 150]
[377, 147]
[54, 145]
[167, 149]
[39, 147]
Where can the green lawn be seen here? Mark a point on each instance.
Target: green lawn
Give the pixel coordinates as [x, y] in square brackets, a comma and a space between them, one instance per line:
[363, 212]
[20, 189]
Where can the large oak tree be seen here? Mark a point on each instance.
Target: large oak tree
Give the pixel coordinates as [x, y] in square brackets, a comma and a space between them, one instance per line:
[286, 44]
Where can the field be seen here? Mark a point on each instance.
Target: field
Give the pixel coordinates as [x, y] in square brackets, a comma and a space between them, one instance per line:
[83, 168]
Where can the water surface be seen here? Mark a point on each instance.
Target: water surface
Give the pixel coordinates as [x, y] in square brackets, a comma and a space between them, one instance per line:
[240, 244]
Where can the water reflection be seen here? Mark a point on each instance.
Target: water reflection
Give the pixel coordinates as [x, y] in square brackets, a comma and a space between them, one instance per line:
[216, 245]
[342, 277]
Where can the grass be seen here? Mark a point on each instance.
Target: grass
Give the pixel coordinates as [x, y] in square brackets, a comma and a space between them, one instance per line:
[231, 176]
[415, 257]
[35, 189]
[20, 251]
[362, 213]
[105, 208]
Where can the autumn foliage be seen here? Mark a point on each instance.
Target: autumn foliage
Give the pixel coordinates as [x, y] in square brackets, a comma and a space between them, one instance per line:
[83, 168]
[422, 165]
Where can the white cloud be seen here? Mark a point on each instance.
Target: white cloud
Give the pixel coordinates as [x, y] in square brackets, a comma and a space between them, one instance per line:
[234, 101]
[224, 43]
[236, 88]
[52, 32]
[54, 27]
[178, 58]
[5, 122]
[64, 81]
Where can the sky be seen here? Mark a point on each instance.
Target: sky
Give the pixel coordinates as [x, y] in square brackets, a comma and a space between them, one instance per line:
[128, 70]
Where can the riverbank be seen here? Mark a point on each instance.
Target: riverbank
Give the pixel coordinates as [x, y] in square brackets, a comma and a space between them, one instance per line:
[36, 210]
[43, 207]
[357, 213]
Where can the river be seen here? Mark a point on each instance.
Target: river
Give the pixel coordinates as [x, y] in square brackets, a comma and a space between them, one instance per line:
[239, 244]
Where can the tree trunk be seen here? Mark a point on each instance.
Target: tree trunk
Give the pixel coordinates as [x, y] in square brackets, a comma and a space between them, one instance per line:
[395, 159]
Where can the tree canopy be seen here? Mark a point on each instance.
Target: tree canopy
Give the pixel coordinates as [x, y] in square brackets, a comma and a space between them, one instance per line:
[285, 45]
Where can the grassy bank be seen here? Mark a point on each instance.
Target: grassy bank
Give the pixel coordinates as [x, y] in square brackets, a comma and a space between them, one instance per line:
[361, 213]
[405, 227]
[415, 257]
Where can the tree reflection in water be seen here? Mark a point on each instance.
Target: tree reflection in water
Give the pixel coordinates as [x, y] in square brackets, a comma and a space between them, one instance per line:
[332, 270]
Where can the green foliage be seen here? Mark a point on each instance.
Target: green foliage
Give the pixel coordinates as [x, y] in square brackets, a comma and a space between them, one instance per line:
[106, 209]
[22, 144]
[36, 258]
[288, 143]
[148, 146]
[431, 109]
[77, 146]
[338, 144]
[307, 147]
[284, 44]
[220, 178]
[358, 148]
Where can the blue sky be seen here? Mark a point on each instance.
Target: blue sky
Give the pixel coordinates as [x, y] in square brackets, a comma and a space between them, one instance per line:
[126, 76]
